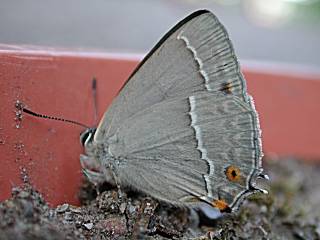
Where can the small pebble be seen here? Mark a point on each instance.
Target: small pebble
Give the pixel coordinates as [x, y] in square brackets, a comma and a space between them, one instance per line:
[62, 208]
[122, 207]
[132, 209]
[88, 226]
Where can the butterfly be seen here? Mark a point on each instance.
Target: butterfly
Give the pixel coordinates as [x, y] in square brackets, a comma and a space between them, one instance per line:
[183, 128]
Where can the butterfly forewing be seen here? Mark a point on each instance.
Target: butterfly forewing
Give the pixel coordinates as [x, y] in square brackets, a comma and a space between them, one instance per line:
[196, 55]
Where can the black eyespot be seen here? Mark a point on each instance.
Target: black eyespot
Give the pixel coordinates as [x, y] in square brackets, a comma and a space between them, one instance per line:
[87, 136]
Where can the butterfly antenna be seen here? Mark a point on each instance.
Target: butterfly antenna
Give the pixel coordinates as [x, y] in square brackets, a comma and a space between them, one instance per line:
[22, 108]
[94, 95]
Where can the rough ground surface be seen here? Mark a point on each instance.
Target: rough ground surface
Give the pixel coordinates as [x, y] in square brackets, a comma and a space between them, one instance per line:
[290, 211]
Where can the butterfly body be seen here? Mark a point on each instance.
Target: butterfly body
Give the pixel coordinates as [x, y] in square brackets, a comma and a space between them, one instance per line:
[183, 128]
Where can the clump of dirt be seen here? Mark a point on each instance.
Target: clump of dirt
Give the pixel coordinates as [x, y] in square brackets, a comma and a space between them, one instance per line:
[109, 216]
[290, 211]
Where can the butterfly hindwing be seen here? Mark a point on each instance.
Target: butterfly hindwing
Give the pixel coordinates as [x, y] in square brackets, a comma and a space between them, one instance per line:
[181, 148]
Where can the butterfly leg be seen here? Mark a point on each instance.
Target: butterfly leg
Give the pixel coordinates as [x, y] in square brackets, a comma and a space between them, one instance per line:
[116, 181]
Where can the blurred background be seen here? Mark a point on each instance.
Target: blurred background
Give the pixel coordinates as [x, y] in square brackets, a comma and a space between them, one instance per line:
[271, 31]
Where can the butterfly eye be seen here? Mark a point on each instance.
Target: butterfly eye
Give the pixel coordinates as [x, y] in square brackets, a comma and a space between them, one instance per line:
[233, 173]
[87, 136]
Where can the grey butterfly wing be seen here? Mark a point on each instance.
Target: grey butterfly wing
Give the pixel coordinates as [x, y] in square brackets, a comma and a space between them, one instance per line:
[157, 147]
[183, 128]
[196, 55]
[178, 150]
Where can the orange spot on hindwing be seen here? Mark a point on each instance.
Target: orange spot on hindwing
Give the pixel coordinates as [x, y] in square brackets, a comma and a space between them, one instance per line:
[221, 205]
[233, 173]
